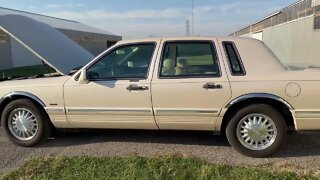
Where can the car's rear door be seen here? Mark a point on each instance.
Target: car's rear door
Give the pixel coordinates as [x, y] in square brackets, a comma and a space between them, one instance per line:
[118, 94]
[190, 85]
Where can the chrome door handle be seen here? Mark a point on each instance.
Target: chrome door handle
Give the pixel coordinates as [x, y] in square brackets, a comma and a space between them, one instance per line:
[135, 87]
[212, 86]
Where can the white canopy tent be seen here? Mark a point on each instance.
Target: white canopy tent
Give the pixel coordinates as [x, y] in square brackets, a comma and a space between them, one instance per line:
[45, 42]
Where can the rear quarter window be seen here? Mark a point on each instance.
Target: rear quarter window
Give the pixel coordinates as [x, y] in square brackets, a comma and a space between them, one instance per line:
[234, 59]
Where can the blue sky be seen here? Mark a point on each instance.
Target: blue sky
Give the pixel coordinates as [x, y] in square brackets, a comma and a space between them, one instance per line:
[144, 18]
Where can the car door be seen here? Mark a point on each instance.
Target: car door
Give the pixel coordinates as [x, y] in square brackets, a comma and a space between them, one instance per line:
[117, 94]
[191, 85]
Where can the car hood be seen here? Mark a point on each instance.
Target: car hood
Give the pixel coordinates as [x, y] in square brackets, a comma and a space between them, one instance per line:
[37, 82]
[45, 42]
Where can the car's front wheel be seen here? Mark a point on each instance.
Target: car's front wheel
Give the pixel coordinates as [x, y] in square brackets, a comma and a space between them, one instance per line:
[257, 130]
[24, 123]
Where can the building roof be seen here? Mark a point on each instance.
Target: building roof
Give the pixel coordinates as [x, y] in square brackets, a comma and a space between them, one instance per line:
[276, 13]
[58, 23]
[308, 4]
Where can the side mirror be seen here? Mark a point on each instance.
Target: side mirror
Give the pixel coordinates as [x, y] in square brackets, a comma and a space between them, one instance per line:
[83, 77]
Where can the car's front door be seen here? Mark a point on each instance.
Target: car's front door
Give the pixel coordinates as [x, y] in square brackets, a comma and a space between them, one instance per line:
[191, 87]
[117, 94]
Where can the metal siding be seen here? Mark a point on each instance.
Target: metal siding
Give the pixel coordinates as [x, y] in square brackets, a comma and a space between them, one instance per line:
[295, 42]
[246, 35]
[279, 42]
[258, 35]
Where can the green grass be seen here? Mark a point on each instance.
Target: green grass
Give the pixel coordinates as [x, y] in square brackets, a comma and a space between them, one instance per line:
[199, 60]
[175, 168]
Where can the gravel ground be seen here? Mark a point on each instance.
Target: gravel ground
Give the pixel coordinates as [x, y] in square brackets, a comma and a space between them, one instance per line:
[300, 153]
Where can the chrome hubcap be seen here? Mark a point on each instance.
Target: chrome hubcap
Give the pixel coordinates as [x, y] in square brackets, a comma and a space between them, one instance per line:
[256, 131]
[22, 124]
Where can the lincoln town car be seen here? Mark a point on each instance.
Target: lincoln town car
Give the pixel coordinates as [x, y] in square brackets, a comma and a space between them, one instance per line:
[233, 86]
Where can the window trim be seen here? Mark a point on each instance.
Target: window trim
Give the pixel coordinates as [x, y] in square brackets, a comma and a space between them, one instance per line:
[315, 25]
[214, 50]
[238, 56]
[121, 46]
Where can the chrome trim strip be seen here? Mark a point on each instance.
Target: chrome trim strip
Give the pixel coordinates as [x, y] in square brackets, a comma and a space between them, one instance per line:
[311, 112]
[307, 114]
[54, 109]
[21, 93]
[259, 95]
[187, 111]
[72, 110]
[222, 112]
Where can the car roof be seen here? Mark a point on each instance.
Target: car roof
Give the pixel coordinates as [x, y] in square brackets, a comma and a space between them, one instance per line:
[177, 38]
[257, 58]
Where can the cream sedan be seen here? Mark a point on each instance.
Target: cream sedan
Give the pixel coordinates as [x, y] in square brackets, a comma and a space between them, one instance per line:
[235, 86]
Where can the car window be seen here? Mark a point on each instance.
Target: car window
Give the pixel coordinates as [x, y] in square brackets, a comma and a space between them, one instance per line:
[130, 61]
[235, 64]
[189, 59]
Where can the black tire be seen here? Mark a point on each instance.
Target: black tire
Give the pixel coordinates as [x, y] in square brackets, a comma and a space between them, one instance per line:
[267, 110]
[42, 121]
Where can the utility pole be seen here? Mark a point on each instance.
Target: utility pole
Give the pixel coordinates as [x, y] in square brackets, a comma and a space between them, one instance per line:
[192, 18]
[187, 27]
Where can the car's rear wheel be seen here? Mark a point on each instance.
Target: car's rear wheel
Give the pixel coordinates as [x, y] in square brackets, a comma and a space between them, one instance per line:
[24, 123]
[257, 130]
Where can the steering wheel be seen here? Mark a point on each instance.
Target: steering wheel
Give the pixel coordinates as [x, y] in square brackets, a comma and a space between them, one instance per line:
[105, 72]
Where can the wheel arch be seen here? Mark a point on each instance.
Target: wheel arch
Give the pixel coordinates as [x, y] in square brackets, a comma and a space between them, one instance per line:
[6, 99]
[284, 107]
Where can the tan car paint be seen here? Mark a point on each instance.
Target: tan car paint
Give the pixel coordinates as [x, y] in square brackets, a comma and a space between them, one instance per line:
[48, 90]
[175, 106]
[110, 105]
[265, 75]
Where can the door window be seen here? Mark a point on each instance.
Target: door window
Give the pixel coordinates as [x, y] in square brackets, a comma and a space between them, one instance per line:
[189, 59]
[126, 62]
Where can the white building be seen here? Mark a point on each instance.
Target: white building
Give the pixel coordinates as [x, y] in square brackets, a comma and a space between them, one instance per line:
[292, 33]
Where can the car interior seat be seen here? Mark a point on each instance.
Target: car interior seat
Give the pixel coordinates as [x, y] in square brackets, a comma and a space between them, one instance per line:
[168, 67]
[181, 68]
